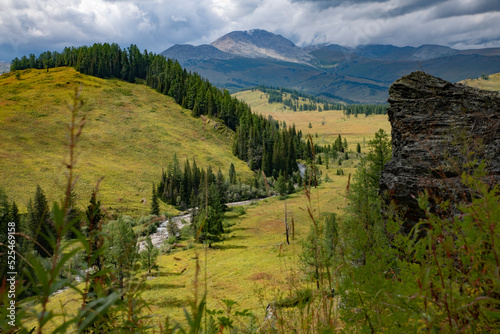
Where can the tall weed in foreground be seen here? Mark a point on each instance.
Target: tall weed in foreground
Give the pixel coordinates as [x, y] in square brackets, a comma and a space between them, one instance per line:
[103, 307]
[459, 275]
[443, 276]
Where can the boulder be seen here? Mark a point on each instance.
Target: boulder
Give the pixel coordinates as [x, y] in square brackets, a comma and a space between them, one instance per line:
[437, 127]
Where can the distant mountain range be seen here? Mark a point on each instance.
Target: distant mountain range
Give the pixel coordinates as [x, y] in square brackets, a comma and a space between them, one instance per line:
[243, 59]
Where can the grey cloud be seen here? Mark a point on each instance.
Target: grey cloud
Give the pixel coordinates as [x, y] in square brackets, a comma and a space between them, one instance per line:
[38, 25]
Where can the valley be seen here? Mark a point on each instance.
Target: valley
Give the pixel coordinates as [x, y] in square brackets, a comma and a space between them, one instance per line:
[321, 250]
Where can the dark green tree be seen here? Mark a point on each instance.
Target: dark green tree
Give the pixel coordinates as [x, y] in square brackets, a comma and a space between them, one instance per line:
[281, 185]
[380, 153]
[155, 204]
[41, 228]
[149, 255]
[232, 174]
[121, 248]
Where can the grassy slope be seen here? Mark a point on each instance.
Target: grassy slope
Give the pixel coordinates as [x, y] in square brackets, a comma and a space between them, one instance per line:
[253, 267]
[132, 132]
[335, 123]
[493, 82]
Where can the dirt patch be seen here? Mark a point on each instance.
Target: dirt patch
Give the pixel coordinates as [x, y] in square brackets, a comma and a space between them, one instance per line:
[261, 276]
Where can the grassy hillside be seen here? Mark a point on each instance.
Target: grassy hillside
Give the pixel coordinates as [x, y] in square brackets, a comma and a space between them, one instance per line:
[327, 124]
[492, 83]
[132, 132]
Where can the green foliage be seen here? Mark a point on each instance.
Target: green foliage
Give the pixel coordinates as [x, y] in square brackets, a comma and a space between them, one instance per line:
[149, 255]
[41, 229]
[173, 229]
[155, 204]
[380, 153]
[367, 109]
[441, 277]
[121, 247]
[232, 174]
[281, 186]
[209, 223]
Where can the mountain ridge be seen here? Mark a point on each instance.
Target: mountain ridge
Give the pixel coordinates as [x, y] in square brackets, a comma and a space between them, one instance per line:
[242, 59]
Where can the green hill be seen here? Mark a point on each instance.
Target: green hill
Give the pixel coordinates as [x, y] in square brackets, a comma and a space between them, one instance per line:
[131, 133]
[487, 82]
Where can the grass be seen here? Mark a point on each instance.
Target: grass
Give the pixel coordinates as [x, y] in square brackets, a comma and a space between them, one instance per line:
[254, 266]
[492, 83]
[327, 124]
[132, 132]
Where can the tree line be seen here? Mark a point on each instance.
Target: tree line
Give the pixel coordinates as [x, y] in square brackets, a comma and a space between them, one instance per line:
[367, 109]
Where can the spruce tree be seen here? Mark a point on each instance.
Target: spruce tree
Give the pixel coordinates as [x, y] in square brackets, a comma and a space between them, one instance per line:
[149, 255]
[121, 248]
[41, 228]
[232, 174]
[155, 204]
[281, 185]
[380, 153]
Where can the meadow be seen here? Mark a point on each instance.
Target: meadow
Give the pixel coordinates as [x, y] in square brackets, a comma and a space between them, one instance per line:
[131, 133]
[326, 124]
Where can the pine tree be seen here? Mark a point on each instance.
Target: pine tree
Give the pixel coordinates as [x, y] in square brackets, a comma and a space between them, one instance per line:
[41, 228]
[93, 221]
[149, 255]
[232, 174]
[281, 185]
[121, 248]
[155, 204]
[380, 153]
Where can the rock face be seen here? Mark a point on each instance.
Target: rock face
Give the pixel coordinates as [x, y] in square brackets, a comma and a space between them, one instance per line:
[437, 126]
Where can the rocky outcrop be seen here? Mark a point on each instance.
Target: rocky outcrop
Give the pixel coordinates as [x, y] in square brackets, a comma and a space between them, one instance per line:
[437, 127]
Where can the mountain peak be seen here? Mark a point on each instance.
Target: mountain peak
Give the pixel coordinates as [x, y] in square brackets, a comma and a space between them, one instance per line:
[258, 43]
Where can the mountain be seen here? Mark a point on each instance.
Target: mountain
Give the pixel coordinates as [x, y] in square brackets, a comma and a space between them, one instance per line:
[242, 59]
[131, 133]
[262, 44]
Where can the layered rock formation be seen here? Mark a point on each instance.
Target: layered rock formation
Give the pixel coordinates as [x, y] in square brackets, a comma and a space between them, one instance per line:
[437, 127]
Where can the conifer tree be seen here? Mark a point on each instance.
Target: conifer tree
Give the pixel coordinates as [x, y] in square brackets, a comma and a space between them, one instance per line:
[232, 174]
[155, 204]
[94, 217]
[41, 228]
[149, 255]
[121, 248]
[281, 185]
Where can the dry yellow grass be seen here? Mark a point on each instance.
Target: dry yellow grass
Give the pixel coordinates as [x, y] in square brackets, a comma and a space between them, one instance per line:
[493, 82]
[327, 124]
[253, 266]
[132, 132]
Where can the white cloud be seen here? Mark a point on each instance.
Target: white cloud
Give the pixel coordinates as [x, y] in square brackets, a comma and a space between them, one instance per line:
[36, 25]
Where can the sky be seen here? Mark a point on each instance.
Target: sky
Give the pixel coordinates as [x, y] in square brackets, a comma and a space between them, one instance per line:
[34, 26]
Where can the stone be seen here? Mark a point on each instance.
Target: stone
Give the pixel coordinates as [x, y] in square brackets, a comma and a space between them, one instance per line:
[437, 127]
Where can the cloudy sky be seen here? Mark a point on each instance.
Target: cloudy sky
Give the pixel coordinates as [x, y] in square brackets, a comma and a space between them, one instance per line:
[33, 26]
